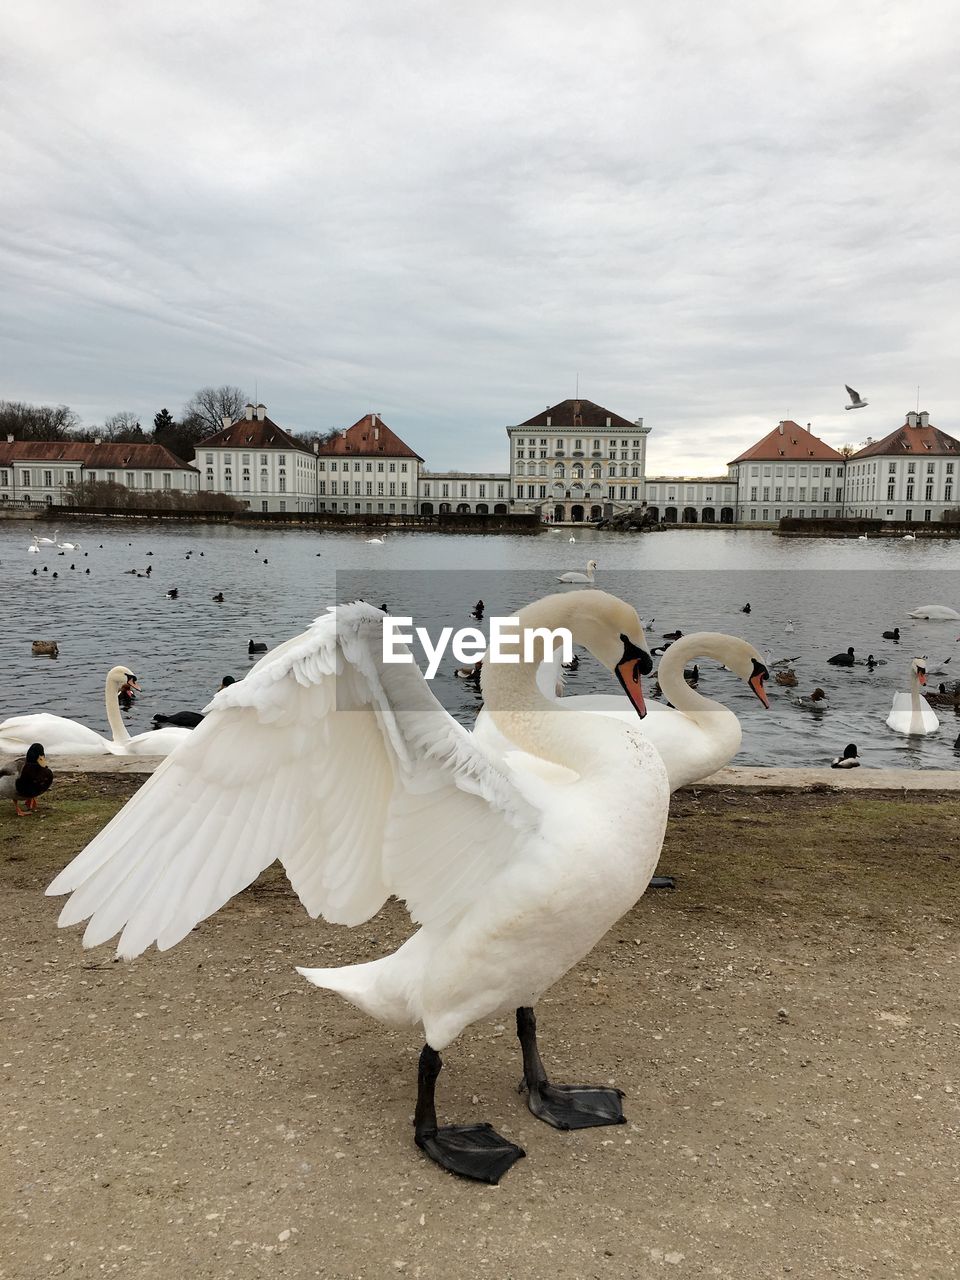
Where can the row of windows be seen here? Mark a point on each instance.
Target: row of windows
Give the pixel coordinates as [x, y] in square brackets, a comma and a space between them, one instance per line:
[792, 471]
[577, 444]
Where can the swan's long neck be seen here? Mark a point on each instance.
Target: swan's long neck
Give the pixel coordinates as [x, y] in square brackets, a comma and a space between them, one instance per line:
[578, 741]
[114, 718]
[704, 712]
[916, 707]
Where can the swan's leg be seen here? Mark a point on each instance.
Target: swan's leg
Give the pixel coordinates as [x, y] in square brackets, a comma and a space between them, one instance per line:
[565, 1106]
[471, 1150]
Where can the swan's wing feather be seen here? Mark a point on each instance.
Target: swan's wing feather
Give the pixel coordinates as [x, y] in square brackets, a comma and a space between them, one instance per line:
[346, 769]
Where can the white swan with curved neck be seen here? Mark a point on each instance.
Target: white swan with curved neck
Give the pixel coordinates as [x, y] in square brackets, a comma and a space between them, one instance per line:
[911, 714]
[348, 769]
[695, 736]
[63, 737]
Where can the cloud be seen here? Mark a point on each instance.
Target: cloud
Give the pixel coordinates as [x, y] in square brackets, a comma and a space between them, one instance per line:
[716, 217]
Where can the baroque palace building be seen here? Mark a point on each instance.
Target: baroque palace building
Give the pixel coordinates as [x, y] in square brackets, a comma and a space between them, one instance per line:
[576, 461]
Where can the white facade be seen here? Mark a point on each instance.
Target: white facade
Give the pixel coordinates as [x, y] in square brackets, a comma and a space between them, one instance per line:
[769, 491]
[913, 479]
[368, 484]
[574, 466]
[682, 500]
[258, 463]
[48, 472]
[483, 493]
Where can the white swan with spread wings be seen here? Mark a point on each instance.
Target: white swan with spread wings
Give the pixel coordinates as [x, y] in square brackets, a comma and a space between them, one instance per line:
[349, 771]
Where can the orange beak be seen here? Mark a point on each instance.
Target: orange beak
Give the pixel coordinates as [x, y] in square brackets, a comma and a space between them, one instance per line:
[755, 682]
[634, 663]
[921, 675]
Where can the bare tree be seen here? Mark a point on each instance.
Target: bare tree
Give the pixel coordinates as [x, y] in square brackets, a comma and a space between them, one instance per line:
[207, 408]
[36, 421]
[123, 428]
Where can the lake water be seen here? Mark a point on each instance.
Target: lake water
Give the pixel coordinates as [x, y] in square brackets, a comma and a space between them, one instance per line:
[837, 593]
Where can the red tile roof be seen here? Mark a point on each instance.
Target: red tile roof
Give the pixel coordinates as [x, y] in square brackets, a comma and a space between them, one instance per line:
[577, 415]
[912, 440]
[150, 456]
[788, 440]
[371, 437]
[253, 433]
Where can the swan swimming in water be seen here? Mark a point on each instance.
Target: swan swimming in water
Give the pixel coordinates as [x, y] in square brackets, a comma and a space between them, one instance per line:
[580, 577]
[911, 714]
[936, 613]
[64, 737]
[350, 771]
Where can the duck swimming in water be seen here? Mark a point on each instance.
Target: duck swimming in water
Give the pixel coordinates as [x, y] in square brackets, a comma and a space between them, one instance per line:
[848, 760]
[842, 659]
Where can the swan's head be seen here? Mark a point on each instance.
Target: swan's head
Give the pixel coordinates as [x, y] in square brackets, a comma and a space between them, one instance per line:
[919, 668]
[611, 629]
[118, 676]
[744, 661]
[591, 566]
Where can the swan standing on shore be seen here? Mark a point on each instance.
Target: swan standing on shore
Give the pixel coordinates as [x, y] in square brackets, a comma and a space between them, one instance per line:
[911, 714]
[580, 577]
[349, 770]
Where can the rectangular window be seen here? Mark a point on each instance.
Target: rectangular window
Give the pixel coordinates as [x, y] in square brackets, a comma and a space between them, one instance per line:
[890, 488]
[111, 477]
[48, 477]
[167, 480]
[911, 468]
[282, 484]
[148, 479]
[282, 460]
[753, 493]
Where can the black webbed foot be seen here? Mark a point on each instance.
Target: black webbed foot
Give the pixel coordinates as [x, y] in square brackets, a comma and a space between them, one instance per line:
[574, 1106]
[565, 1106]
[474, 1151]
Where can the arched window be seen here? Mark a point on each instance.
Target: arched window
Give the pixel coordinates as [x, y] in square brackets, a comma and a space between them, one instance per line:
[577, 471]
[558, 471]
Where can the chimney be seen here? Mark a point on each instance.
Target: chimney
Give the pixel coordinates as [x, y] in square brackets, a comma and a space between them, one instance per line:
[316, 446]
[549, 421]
[248, 411]
[261, 412]
[9, 437]
[780, 428]
[227, 422]
[924, 419]
[911, 419]
[609, 423]
[98, 439]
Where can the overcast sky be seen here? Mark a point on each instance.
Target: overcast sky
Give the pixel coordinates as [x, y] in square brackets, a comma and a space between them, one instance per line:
[716, 214]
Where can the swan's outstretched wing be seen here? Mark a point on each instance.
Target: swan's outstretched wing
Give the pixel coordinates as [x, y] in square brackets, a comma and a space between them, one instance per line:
[345, 768]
